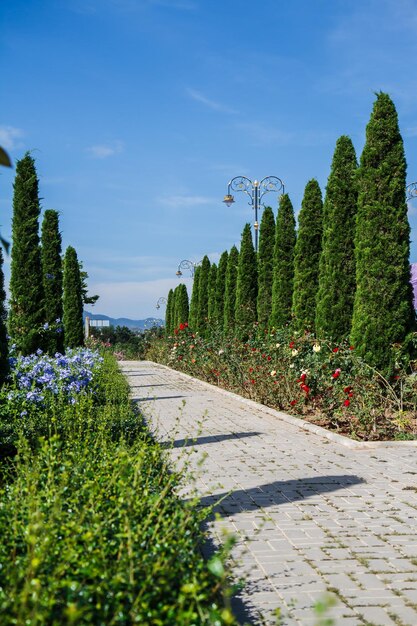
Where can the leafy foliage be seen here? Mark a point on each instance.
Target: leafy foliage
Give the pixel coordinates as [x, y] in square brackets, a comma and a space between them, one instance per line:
[97, 496]
[307, 256]
[72, 301]
[52, 278]
[26, 285]
[221, 288]
[265, 266]
[283, 268]
[230, 295]
[383, 312]
[203, 295]
[246, 284]
[337, 280]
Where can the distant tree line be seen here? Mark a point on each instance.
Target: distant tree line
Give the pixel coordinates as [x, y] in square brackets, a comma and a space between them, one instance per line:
[344, 275]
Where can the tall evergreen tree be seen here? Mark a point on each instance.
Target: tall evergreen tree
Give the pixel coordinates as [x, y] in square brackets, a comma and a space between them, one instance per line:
[168, 313]
[72, 301]
[52, 280]
[337, 281]
[383, 312]
[194, 299]
[307, 256]
[230, 293]
[203, 296]
[221, 288]
[283, 274]
[265, 265]
[4, 352]
[175, 307]
[247, 285]
[185, 304]
[26, 316]
[181, 305]
[212, 293]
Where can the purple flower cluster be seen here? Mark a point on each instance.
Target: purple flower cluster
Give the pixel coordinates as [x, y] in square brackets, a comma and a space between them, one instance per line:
[35, 376]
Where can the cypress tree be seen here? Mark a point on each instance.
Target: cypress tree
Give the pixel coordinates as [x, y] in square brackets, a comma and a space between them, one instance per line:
[203, 295]
[185, 304]
[230, 293]
[265, 265]
[221, 288]
[72, 301]
[181, 305]
[337, 280]
[383, 312]
[168, 313]
[212, 293]
[194, 299]
[4, 353]
[283, 275]
[52, 280]
[174, 316]
[26, 286]
[246, 286]
[307, 256]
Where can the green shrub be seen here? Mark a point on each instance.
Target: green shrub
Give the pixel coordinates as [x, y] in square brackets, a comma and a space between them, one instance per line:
[90, 520]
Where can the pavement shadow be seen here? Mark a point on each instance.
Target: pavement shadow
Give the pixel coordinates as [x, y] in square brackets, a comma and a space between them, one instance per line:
[276, 493]
[133, 373]
[199, 441]
[154, 385]
[151, 398]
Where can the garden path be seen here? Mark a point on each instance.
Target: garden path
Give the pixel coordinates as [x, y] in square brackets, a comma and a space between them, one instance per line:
[310, 514]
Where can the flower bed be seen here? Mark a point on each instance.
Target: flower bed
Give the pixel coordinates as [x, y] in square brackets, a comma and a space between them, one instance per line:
[324, 383]
[89, 513]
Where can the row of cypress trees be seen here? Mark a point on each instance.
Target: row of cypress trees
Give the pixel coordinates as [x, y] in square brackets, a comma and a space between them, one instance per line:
[344, 274]
[46, 307]
[177, 309]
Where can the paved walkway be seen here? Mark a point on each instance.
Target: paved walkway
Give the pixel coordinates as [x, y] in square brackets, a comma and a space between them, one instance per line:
[310, 514]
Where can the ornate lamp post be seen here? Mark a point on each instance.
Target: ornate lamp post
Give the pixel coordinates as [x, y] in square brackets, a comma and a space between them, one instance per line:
[411, 191]
[186, 265]
[256, 191]
[161, 301]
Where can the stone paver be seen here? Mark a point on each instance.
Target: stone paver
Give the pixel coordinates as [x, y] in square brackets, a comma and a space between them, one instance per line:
[310, 515]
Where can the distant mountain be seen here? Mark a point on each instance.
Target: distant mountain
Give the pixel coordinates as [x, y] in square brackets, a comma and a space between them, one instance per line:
[124, 321]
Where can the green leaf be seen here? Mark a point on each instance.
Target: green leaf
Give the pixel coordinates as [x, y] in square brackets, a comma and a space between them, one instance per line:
[215, 566]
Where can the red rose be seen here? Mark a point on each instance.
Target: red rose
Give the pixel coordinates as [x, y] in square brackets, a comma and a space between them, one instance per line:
[346, 402]
[292, 344]
[182, 326]
[335, 350]
[293, 402]
[305, 388]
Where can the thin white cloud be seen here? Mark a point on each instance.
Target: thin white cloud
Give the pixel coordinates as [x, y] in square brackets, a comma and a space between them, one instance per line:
[103, 151]
[10, 136]
[211, 104]
[184, 201]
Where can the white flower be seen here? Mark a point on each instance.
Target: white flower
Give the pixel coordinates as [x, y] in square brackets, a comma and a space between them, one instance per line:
[292, 365]
[278, 345]
[316, 347]
[294, 352]
[220, 352]
[273, 373]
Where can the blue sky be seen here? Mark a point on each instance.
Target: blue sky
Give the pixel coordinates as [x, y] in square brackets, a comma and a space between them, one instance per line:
[139, 112]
